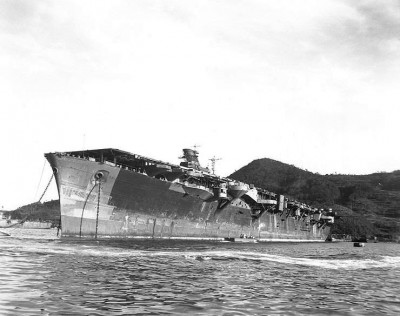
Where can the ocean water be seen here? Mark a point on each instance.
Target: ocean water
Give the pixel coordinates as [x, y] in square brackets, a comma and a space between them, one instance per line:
[41, 274]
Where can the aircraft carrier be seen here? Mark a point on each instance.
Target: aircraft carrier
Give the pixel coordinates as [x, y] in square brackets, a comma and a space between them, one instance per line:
[110, 193]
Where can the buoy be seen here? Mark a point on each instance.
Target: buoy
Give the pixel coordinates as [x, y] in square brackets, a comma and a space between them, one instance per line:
[359, 244]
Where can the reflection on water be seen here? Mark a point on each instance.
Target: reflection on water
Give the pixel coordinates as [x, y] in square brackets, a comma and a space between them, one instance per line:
[42, 275]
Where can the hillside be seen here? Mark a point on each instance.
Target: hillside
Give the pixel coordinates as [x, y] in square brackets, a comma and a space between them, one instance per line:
[368, 203]
[46, 212]
[289, 180]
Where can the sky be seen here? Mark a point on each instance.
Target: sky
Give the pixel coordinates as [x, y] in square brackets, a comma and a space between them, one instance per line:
[313, 83]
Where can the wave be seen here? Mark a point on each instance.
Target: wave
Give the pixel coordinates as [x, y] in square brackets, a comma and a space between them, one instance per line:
[334, 264]
[338, 262]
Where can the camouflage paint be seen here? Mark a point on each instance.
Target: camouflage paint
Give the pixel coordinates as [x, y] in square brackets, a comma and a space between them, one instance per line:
[136, 205]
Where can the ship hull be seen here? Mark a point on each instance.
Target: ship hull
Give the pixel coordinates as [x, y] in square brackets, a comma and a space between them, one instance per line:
[125, 203]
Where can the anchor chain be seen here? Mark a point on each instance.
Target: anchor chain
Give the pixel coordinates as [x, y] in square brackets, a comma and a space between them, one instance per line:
[45, 190]
[83, 209]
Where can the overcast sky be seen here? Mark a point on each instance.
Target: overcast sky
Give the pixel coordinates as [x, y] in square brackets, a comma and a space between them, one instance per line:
[313, 83]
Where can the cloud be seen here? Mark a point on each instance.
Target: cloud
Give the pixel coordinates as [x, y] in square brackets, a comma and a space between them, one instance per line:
[367, 34]
[17, 15]
[41, 36]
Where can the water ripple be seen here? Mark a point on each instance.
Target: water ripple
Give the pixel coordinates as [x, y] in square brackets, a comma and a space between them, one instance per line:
[53, 277]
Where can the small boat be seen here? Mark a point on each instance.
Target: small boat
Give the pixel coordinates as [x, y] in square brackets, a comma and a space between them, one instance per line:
[359, 244]
[229, 239]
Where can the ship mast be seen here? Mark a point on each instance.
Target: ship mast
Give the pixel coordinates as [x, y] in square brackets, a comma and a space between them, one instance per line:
[213, 160]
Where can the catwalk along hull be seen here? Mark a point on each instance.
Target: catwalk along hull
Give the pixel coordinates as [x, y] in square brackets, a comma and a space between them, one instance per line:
[127, 203]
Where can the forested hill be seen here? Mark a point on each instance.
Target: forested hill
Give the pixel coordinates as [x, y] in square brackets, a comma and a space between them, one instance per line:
[46, 212]
[371, 201]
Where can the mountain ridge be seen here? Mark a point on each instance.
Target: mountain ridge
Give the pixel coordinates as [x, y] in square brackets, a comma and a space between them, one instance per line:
[374, 198]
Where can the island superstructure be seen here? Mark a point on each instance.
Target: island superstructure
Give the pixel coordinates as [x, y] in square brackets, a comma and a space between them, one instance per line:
[113, 193]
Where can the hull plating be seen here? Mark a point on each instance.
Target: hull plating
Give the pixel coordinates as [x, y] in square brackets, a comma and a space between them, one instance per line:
[131, 204]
